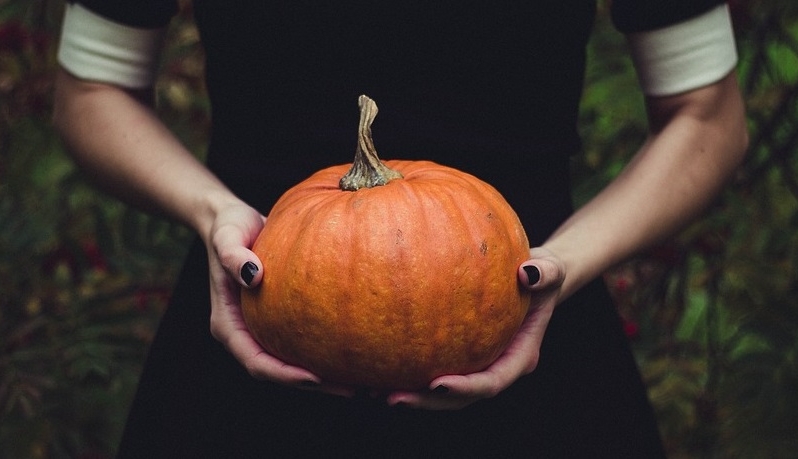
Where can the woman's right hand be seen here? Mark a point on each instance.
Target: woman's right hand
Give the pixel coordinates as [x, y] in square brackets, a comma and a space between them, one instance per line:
[232, 267]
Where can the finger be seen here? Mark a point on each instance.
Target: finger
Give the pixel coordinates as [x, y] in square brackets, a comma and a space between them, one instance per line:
[457, 391]
[452, 392]
[264, 366]
[429, 400]
[240, 263]
[250, 273]
[261, 365]
[488, 383]
[332, 389]
[540, 274]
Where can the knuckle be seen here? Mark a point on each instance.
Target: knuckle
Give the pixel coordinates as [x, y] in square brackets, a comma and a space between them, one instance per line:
[227, 258]
[219, 333]
[221, 244]
[218, 238]
[216, 332]
[216, 328]
[532, 363]
[252, 369]
[492, 391]
[490, 388]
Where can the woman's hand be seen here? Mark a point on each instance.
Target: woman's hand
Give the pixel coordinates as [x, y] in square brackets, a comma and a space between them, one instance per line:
[233, 266]
[121, 142]
[543, 274]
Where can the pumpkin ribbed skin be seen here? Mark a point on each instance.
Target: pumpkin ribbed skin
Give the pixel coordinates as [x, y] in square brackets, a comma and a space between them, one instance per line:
[391, 286]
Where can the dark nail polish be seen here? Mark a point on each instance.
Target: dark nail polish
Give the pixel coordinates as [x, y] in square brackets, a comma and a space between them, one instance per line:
[440, 390]
[309, 384]
[533, 273]
[248, 272]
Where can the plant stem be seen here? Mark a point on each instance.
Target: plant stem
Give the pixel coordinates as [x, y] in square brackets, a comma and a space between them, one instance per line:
[367, 170]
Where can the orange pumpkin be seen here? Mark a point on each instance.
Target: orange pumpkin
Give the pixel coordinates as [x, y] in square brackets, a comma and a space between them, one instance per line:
[395, 274]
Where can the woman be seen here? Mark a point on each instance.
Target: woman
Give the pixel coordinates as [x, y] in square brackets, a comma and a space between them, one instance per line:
[490, 89]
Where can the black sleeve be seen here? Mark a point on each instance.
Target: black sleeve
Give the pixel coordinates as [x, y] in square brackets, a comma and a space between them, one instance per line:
[147, 14]
[644, 15]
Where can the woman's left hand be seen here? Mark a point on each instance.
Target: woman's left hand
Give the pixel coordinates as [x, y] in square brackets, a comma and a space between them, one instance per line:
[452, 392]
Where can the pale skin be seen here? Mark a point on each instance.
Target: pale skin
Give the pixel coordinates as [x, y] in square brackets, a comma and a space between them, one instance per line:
[697, 139]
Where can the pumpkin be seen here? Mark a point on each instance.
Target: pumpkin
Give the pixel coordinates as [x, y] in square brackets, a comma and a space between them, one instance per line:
[387, 275]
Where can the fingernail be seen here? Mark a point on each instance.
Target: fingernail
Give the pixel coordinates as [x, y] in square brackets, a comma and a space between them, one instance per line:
[440, 390]
[248, 272]
[533, 273]
[309, 384]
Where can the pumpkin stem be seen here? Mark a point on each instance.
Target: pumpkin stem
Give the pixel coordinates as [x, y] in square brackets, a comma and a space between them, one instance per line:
[367, 170]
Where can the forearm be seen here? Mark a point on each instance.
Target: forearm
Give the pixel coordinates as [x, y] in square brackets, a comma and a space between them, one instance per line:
[124, 147]
[697, 142]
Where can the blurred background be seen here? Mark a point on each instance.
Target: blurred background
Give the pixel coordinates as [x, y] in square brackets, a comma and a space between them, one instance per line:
[712, 314]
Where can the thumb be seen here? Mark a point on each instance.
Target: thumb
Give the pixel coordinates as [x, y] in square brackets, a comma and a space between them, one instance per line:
[238, 261]
[251, 272]
[540, 274]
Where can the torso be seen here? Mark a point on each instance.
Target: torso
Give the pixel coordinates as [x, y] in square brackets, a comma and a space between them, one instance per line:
[461, 83]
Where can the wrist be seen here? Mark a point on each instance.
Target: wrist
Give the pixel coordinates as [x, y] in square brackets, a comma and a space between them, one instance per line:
[575, 262]
[209, 205]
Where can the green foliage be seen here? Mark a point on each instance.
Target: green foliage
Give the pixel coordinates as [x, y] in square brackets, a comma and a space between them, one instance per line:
[84, 279]
[717, 307]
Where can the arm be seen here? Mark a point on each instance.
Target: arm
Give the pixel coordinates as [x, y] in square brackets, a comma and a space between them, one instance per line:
[697, 141]
[114, 136]
[120, 142]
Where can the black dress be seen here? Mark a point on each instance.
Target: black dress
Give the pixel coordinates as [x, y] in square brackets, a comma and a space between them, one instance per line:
[488, 87]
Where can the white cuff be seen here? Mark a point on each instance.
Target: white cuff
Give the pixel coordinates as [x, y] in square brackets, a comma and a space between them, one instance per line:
[97, 49]
[685, 56]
